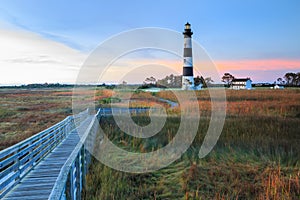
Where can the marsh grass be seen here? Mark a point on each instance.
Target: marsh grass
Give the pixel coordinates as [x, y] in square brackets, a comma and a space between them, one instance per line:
[260, 163]
[24, 113]
[256, 157]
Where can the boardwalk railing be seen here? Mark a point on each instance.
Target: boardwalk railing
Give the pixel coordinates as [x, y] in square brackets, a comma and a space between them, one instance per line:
[17, 160]
[71, 179]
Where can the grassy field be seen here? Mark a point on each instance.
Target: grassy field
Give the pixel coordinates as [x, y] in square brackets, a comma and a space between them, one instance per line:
[256, 157]
[25, 112]
[28, 111]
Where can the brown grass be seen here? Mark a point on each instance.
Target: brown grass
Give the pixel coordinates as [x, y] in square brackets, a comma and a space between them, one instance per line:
[24, 113]
[282, 103]
[257, 155]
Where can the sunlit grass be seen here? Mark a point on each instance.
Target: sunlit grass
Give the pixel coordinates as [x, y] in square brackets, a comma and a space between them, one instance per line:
[26, 112]
[256, 157]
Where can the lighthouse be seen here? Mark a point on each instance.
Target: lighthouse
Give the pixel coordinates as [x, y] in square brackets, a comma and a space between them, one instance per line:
[187, 75]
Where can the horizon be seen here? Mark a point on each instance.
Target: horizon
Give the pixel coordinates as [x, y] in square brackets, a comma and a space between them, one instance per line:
[49, 42]
[115, 83]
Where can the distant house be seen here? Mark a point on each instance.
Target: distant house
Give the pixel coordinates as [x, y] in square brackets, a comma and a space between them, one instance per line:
[241, 84]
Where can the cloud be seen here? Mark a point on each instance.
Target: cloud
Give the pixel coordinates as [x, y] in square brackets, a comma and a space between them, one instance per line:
[26, 57]
[263, 70]
[34, 60]
[262, 64]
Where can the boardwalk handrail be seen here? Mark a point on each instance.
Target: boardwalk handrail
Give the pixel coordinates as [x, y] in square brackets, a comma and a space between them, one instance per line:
[75, 168]
[17, 160]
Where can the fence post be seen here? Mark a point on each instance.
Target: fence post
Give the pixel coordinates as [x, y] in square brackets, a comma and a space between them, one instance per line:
[63, 196]
[72, 182]
[77, 175]
[17, 170]
[83, 164]
[31, 156]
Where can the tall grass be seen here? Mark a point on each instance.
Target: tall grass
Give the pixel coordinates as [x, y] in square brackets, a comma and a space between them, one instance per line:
[26, 112]
[256, 157]
[243, 165]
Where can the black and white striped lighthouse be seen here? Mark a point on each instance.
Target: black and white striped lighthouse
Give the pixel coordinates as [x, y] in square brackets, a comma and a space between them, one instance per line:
[187, 75]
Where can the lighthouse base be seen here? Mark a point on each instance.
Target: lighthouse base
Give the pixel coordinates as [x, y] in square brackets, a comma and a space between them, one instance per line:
[187, 83]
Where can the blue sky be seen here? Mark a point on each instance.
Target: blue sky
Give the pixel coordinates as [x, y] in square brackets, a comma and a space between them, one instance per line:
[228, 30]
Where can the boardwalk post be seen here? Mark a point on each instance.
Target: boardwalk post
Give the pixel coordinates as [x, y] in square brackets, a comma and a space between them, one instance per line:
[83, 163]
[63, 196]
[18, 168]
[80, 171]
[78, 179]
[31, 157]
[71, 189]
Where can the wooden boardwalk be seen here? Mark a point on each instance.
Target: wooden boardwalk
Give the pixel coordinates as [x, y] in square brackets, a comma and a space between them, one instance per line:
[39, 182]
[53, 163]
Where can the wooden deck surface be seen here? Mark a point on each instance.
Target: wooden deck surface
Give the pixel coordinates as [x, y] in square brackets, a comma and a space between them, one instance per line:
[39, 182]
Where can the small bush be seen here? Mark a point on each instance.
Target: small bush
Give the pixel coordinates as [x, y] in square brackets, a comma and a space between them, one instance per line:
[4, 113]
[109, 100]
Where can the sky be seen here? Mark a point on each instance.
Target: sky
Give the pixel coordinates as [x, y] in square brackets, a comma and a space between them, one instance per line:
[48, 41]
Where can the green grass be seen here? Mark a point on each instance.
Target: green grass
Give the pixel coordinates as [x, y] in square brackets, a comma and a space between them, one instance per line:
[247, 153]
[256, 157]
[109, 100]
[4, 113]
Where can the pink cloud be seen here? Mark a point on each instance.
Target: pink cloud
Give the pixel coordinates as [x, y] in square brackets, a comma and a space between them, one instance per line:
[271, 64]
[258, 70]
[266, 70]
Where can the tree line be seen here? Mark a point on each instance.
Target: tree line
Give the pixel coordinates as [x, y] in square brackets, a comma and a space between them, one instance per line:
[175, 81]
[289, 79]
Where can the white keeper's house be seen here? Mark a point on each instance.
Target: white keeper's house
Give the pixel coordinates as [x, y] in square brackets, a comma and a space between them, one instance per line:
[241, 84]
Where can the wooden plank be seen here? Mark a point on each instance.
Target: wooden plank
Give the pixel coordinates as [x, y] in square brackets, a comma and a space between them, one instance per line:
[35, 188]
[29, 193]
[35, 184]
[40, 197]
